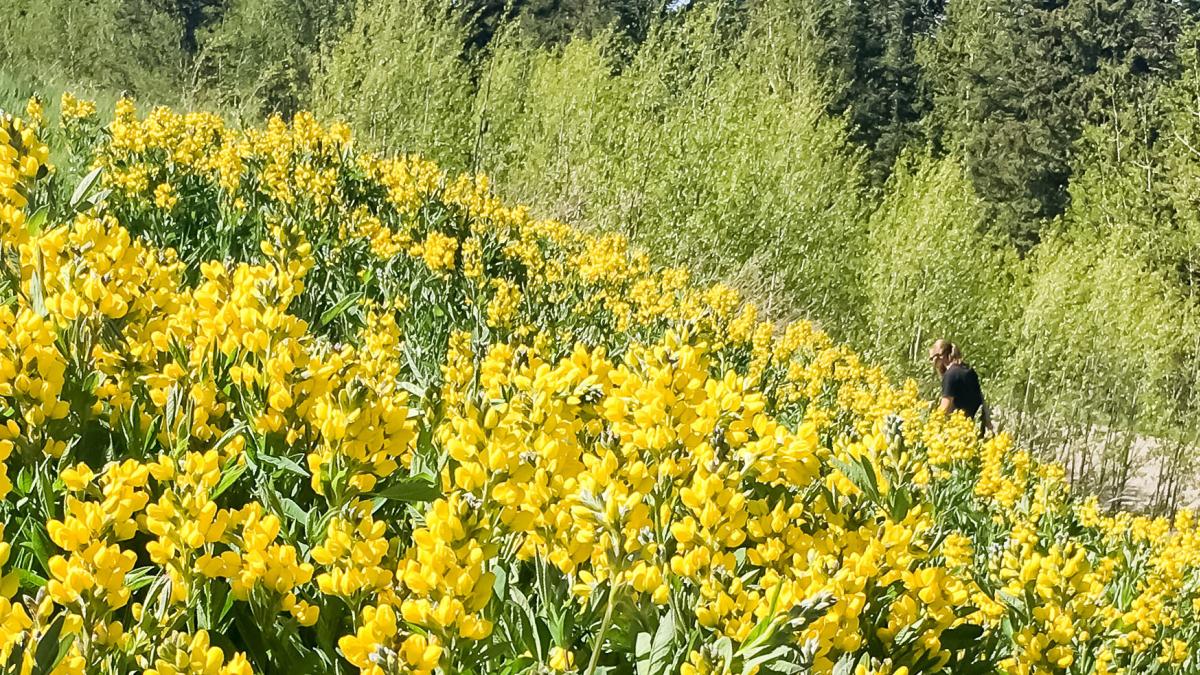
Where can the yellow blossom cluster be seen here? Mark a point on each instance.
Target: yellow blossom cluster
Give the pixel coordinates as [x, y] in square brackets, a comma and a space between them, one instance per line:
[268, 402]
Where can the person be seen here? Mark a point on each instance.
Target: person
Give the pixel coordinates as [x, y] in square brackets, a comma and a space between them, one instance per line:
[960, 384]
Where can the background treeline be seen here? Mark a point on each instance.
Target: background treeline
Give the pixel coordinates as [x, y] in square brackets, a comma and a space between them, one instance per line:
[1020, 176]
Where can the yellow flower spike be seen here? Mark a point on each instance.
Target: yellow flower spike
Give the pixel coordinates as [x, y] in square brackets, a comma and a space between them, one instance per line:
[165, 196]
[35, 111]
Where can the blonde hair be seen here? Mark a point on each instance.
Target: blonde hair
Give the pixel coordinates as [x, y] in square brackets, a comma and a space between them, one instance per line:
[947, 349]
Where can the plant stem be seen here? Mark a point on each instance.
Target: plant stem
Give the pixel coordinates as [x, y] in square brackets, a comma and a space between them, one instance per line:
[604, 624]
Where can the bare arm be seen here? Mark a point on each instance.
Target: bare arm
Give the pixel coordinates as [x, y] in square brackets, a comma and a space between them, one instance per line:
[946, 406]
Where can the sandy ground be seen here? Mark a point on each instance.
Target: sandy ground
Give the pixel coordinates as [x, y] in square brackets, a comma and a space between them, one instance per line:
[1141, 488]
[1145, 451]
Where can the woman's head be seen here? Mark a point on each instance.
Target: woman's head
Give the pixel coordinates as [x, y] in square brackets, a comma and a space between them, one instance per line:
[942, 354]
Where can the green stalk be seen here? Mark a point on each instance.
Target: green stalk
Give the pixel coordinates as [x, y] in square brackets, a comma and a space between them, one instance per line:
[604, 624]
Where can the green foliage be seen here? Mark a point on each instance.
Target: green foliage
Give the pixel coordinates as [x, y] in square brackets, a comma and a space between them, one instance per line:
[712, 153]
[1046, 155]
[258, 58]
[1006, 79]
[397, 76]
[1016, 84]
[556, 21]
[933, 272]
[130, 45]
[868, 52]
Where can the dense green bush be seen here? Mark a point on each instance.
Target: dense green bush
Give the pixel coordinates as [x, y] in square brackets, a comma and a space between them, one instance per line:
[934, 272]
[704, 150]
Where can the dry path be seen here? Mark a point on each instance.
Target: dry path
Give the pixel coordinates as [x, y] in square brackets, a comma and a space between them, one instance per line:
[1146, 459]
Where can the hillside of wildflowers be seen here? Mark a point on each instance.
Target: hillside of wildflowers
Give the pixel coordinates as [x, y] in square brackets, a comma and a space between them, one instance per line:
[270, 404]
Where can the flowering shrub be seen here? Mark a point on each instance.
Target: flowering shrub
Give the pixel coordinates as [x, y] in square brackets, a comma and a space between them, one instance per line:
[271, 404]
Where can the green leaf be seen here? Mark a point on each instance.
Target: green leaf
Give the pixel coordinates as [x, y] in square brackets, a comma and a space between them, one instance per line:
[654, 653]
[845, 665]
[418, 488]
[519, 665]
[414, 389]
[1011, 600]
[38, 544]
[329, 624]
[140, 577]
[283, 463]
[24, 481]
[47, 654]
[312, 524]
[16, 657]
[174, 401]
[761, 628]
[724, 649]
[868, 470]
[228, 478]
[901, 504]
[37, 293]
[522, 604]
[97, 198]
[961, 636]
[256, 646]
[37, 221]
[43, 478]
[342, 305]
[910, 633]
[767, 658]
[641, 651]
[85, 186]
[30, 580]
[862, 477]
[220, 604]
[660, 650]
[292, 510]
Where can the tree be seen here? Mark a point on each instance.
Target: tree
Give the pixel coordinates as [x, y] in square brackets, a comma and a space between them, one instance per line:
[258, 57]
[1015, 83]
[867, 51]
[553, 22]
[397, 74]
[932, 271]
[194, 16]
[117, 45]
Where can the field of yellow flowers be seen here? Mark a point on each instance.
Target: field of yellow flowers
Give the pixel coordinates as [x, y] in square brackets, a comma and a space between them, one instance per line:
[271, 404]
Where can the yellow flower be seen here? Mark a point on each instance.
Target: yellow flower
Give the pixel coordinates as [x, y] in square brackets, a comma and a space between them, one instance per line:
[561, 660]
[35, 111]
[165, 197]
[438, 251]
[392, 431]
[77, 478]
[74, 109]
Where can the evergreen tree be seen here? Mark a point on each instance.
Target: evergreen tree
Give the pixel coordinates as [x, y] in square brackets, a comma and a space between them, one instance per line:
[1006, 78]
[867, 51]
[553, 22]
[1015, 82]
[194, 16]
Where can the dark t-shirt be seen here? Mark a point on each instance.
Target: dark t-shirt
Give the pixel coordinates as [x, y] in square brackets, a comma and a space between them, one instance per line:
[961, 385]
